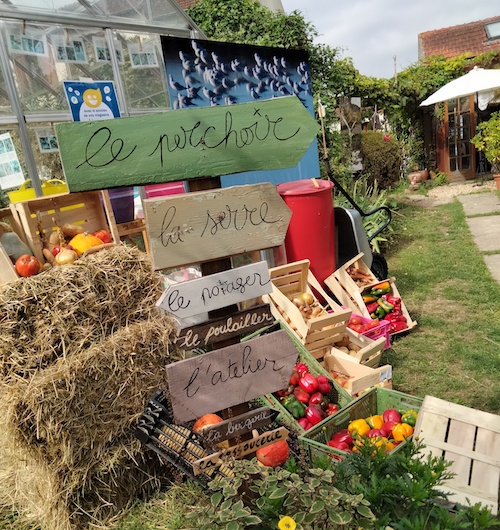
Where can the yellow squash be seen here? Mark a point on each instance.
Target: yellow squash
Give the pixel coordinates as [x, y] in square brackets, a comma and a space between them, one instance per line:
[82, 242]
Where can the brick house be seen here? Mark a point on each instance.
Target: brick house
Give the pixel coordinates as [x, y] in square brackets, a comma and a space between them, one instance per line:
[450, 140]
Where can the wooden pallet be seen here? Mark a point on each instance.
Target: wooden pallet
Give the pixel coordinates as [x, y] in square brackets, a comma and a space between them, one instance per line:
[468, 438]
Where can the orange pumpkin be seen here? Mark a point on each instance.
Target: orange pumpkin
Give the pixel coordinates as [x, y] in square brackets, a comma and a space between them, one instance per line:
[82, 242]
[273, 455]
[206, 421]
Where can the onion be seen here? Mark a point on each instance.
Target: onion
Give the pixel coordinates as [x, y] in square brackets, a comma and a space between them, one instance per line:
[307, 298]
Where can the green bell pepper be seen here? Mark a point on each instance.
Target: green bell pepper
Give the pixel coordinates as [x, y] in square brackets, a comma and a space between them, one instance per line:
[294, 406]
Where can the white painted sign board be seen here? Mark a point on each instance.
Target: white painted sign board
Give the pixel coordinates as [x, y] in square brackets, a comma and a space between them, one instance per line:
[211, 292]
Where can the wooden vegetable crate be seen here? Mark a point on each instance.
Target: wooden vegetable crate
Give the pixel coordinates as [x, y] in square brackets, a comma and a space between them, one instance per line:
[358, 377]
[355, 348]
[468, 438]
[293, 279]
[85, 209]
[373, 402]
[349, 293]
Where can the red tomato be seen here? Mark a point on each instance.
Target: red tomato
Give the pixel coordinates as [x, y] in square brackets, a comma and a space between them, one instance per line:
[56, 250]
[27, 265]
[372, 324]
[359, 328]
[355, 321]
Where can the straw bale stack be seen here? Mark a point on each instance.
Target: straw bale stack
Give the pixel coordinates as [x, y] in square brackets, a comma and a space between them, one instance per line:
[82, 348]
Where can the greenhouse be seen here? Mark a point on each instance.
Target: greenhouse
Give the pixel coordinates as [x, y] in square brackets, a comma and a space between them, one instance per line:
[46, 43]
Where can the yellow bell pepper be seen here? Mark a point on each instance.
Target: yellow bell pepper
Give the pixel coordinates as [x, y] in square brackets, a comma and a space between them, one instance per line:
[401, 431]
[358, 427]
[375, 422]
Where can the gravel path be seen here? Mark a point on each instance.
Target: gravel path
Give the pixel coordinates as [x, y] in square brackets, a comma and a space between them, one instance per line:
[448, 192]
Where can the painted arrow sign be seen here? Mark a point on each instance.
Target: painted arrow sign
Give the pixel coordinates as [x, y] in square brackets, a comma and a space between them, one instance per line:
[229, 376]
[239, 425]
[202, 226]
[187, 143]
[212, 292]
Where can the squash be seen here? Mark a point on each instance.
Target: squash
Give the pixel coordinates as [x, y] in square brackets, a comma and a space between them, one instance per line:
[273, 455]
[82, 242]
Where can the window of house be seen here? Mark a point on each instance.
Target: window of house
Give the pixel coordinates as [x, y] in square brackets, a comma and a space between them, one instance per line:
[493, 30]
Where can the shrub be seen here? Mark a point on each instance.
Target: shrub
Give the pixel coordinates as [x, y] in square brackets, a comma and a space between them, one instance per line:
[381, 157]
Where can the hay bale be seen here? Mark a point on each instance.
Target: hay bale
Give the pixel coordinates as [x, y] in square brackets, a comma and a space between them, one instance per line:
[67, 309]
[82, 348]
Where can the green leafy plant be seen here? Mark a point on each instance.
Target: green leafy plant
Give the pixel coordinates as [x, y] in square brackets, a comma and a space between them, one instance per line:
[381, 157]
[256, 500]
[487, 140]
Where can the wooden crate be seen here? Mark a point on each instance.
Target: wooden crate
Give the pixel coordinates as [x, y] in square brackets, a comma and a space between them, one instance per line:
[342, 283]
[317, 332]
[359, 376]
[369, 351]
[86, 209]
[350, 295]
[468, 438]
[7, 269]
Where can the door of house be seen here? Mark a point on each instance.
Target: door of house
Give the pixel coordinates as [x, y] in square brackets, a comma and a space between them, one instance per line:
[459, 123]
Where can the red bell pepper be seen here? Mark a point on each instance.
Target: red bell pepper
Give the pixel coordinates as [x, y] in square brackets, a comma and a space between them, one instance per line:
[324, 385]
[315, 414]
[308, 383]
[398, 326]
[294, 378]
[343, 436]
[302, 369]
[372, 307]
[316, 399]
[341, 446]
[373, 433]
[391, 415]
[304, 423]
[331, 408]
[301, 395]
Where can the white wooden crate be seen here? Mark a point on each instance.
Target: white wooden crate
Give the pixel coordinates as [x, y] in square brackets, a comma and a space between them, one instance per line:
[468, 438]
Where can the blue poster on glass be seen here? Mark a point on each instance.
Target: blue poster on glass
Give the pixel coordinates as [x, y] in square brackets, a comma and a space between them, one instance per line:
[204, 73]
[90, 101]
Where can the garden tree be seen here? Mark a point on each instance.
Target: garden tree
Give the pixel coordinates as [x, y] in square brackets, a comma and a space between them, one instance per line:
[248, 22]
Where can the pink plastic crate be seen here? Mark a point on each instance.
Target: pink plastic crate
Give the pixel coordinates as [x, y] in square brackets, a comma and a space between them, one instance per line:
[382, 330]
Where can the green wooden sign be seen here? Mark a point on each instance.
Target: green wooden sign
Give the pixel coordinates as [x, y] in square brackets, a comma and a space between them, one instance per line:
[184, 144]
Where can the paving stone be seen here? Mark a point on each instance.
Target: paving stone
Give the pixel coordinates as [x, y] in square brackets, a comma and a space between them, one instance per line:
[480, 203]
[493, 263]
[485, 231]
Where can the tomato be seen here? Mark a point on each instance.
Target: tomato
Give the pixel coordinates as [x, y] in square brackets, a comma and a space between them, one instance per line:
[104, 236]
[355, 321]
[56, 250]
[27, 265]
[358, 328]
[372, 324]
[206, 420]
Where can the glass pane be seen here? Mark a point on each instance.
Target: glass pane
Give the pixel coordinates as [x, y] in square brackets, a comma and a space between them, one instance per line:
[5, 106]
[452, 149]
[452, 105]
[13, 170]
[45, 151]
[466, 162]
[453, 164]
[465, 148]
[465, 104]
[143, 72]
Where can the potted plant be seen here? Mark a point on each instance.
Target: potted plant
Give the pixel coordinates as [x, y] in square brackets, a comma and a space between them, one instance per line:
[487, 140]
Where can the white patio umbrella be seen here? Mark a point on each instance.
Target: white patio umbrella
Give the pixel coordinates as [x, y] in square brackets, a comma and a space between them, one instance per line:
[478, 81]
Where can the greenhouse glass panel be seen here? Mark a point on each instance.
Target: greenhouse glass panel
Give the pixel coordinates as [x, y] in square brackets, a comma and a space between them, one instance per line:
[143, 73]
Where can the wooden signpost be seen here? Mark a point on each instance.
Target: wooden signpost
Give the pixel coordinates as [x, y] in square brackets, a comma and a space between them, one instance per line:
[203, 226]
[185, 144]
[226, 328]
[204, 294]
[239, 425]
[230, 376]
[240, 450]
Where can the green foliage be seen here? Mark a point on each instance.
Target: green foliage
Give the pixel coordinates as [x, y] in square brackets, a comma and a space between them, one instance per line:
[487, 140]
[381, 159]
[254, 500]
[404, 490]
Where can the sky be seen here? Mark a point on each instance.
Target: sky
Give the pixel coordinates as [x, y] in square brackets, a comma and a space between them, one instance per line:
[373, 32]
